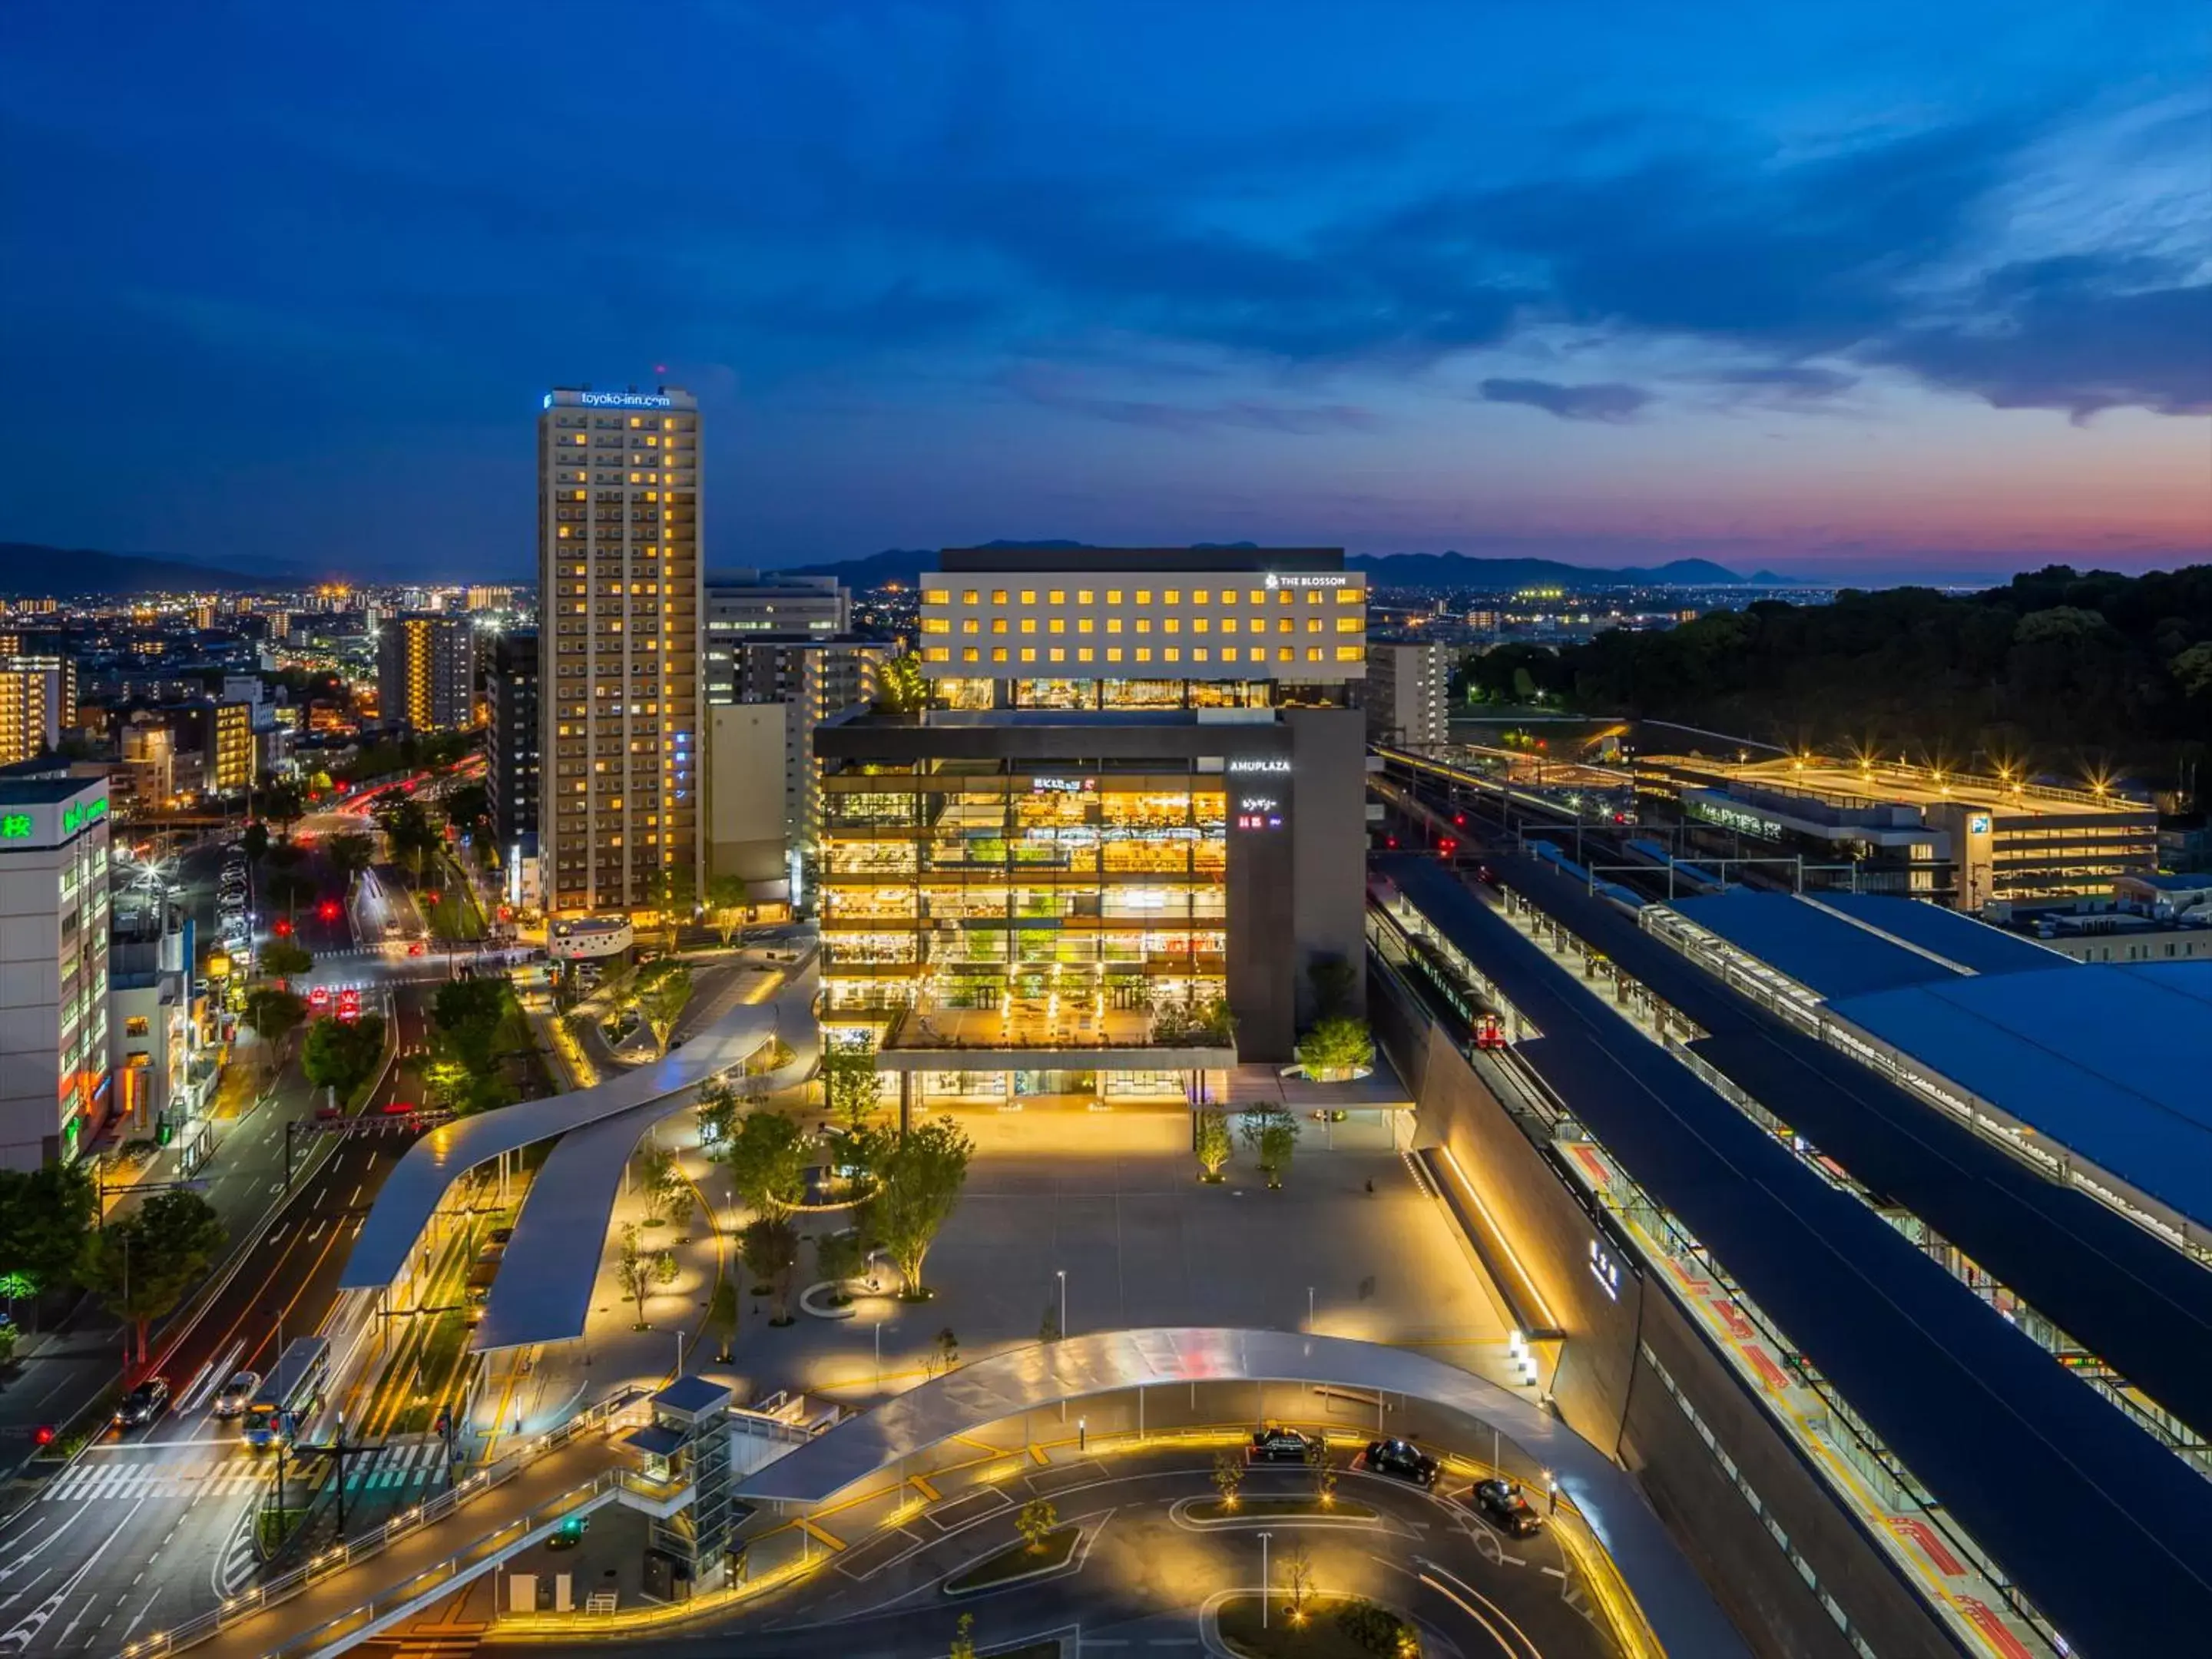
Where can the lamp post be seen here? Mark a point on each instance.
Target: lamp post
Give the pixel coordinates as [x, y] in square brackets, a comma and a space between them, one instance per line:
[1061, 1274]
[1263, 1580]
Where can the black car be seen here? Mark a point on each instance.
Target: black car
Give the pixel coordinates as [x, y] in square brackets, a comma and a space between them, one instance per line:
[1506, 1506]
[1402, 1459]
[1273, 1445]
[143, 1404]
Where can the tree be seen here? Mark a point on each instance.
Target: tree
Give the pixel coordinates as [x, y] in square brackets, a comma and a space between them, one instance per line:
[1297, 1570]
[675, 893]
[350, 853]
[838, 1257]
[274, 1015]
[282, 959]
[900, 687]
[46, 1216]
[341, 1055]
[1336, 1048]
[716, 1112]
[414, 839]
[140, 1266]
[850, 1087]
[667, 1189]
[254, 843]
[722, 1317]
[1211, 1142]
[1272, 1134]
[660, 1000]
[919, 1176]
[467, 805]
[728, 898]
[770, 1248]
[280, 801]
[1228, 1476]
[948, 1348]
[767, 1161]
[1037, 1523]
[641, 1271]
[963, 1638]
[1325, 1474]
[1048, 1331]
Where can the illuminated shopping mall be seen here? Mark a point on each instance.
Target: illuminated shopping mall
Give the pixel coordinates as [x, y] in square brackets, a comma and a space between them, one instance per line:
[1099, 865]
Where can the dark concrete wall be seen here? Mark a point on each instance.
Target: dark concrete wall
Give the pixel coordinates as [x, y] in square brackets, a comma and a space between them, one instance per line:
[1261, 962]
[1328, 756]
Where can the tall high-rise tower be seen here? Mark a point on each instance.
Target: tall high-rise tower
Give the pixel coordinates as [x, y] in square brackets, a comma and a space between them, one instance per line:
[618, 647]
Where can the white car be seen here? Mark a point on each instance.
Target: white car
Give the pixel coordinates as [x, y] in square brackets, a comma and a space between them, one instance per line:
[235, 1396]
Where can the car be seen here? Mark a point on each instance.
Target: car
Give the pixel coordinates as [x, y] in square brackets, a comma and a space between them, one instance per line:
[143, 1403]
[415, 948]
[1274, 1444]
[1506, 1506]
[328, 1114]
[232, 1399]
[1402, 1460]
[398, 1107]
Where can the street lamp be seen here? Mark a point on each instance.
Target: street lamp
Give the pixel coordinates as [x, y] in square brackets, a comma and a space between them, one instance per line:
[1263, 1579]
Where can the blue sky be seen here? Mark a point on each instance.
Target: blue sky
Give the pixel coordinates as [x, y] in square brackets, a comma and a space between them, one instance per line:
[1863, 291]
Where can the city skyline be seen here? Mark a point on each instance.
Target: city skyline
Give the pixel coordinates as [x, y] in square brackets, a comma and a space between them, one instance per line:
[1861, 297]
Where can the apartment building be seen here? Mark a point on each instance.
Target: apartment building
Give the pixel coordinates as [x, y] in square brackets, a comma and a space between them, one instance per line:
[54, 1075]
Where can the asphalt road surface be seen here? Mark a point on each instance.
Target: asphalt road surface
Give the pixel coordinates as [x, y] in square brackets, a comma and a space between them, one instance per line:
[1148, 1575]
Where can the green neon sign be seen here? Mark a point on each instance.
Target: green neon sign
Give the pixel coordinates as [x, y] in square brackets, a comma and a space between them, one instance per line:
[16, 826]
[74, 818]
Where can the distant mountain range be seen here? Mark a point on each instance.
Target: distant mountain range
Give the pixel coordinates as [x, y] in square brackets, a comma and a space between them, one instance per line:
[29, 571]
[1452, 570]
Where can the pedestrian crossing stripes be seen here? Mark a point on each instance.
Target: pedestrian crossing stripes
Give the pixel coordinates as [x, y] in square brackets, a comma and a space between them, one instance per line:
[388, 1469]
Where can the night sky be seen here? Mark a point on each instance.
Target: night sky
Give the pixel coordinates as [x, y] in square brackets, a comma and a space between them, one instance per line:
[1860, 290]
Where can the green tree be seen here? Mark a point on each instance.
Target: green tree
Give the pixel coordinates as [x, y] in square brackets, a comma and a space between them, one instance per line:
[1334, 980]
[901, 687]
[341, 1055]
[46, 1218]
[1211, 1142]
[641, 1271]
[1228, 1475]
[664, 1186]
[919, 1177]
[728, 898]
[1272, 1134]
[140, 1266]
[1296, 1565]
[767, 1159]
[1037, 1523]
[717, 1112]
[281, 802]
[850, 1087]
[274, 1015]
[282, 959]
[254, 843]
[660, 999]
[468, 1014]
[722, 1317]
[770, 1248]
[349, 853]
[674, 891]
[963, 1638]
[1336, 1048]
[1325, 1474]
[468, 807]
[414, 839]
[838, 1257]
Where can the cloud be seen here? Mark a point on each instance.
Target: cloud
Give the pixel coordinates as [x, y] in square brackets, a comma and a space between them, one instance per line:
[1603, 401]
[1040, 386]
[2070, 334]
[1789, 380]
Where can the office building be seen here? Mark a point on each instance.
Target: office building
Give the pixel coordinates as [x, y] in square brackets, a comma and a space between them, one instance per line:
[619, 646]
[745, 605]
[1408, 694]
[232, 748]
[53, 972]
[162, 1073]
[1976, 843]
[1132, 819]
[35, 708]
[147, 777]
[425, 672]
[511, 777]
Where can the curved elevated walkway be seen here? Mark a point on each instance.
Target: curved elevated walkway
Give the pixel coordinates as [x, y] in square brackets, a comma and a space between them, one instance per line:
[545, 1291]
[412, 1193]
[1673, 1599]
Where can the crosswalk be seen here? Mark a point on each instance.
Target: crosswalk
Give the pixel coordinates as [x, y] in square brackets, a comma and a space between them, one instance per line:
[401, 1464]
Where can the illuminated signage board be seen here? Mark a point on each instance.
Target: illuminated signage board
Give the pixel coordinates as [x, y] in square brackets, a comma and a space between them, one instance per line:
[1259, 766]
[1335, 580]
[619, 400]
[1061, 786]
[1604, 1269]
[16, 826]
[1259, 813]
[75, 817]
[1978, 824]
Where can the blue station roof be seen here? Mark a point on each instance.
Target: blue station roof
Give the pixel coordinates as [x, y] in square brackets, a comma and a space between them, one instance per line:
[1817, 948]
[2132, 1299]
[2004, 1437]
[1973, 946]
[2112, 1062]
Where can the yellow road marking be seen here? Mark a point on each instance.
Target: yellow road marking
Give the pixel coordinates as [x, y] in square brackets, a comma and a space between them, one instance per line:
[820, 1535]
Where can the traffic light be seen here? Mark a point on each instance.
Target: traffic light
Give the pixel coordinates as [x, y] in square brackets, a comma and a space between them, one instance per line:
[43, 1435]
[1459, 820]
[283, 928]
[1448, 847]
[329, 912]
